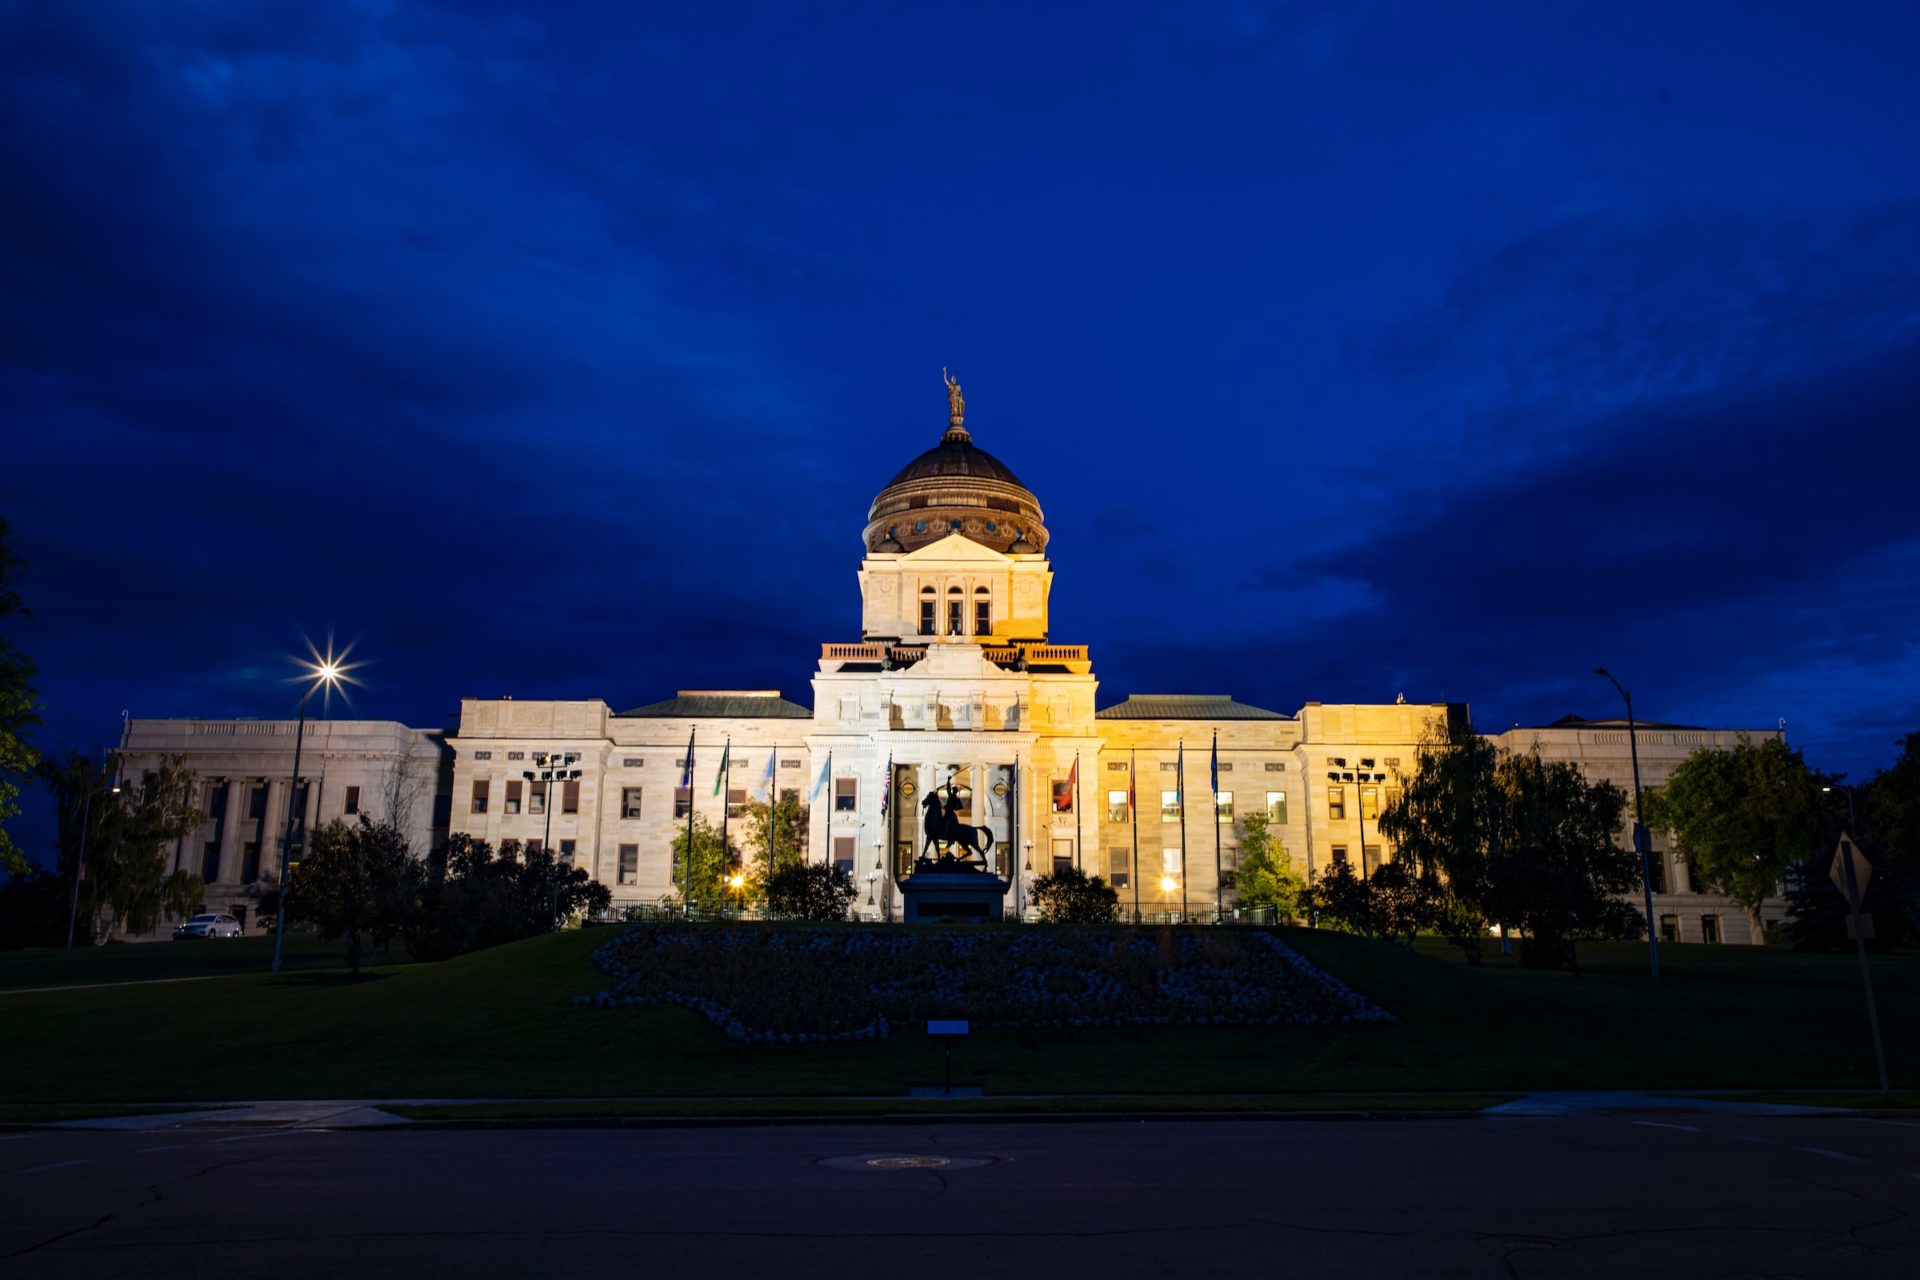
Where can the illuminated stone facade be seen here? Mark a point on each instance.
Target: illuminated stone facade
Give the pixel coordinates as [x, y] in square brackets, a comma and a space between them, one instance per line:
[954, 678]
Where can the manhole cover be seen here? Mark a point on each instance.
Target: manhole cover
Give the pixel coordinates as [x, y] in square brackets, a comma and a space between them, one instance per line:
[894, 1161]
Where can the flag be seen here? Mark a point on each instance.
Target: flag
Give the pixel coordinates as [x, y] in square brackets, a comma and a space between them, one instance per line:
[886, 787]
[1213, 767]
[772, 757]
[819, 783]
[1133, 767]
[686, 773]
[1073, 774]
[1180, 777]
[726, 760]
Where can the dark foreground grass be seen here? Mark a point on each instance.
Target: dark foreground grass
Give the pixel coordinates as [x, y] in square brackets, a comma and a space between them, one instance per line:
[151, 961]
[55, 1112]
[500, 1024]
[1074, 1104]
[1852, 1099]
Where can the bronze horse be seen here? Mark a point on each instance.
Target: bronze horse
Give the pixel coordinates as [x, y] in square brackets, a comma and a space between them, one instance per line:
[943, 827]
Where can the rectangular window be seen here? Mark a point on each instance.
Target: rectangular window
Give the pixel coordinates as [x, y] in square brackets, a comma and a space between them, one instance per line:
[210, 862]
[1277, 807]
[1370, 858]
[1169, 868]
[629, 863]
[570, 797]
[633, 762]
[843, 852]
[1116, 766]
[513, 797]
[926, 617]
[629, 802]
[516, 755]
[956, 618]
[1169, 806]
[1393, 796]
[479, 795]
[1336, 803]
[566, 850]
[1119, 864]
[1370, 804]
[1062, 795]
[682, 801]
[217, 801]
[982, 618]
[1117, 806]
[483, 755]
[736, 801]
[353, 800]
[789, 795]
[257, 802]
[1339, 855]
[1669, 928]
[533, 847]
[1062, 855]
[846, 795]
[536, 797]
[1657, 868]
[250, 862]
[1709, 928]
[1223, 807]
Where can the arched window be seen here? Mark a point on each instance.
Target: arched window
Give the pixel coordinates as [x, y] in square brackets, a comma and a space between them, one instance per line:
[982, 612]
[956, 612]
[927, 601]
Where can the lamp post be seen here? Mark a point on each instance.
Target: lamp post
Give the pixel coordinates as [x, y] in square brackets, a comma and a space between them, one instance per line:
[1019, 908]
[1640, 840]
[326, 675]
[550, 767]
[1853, 819]
[86, 818]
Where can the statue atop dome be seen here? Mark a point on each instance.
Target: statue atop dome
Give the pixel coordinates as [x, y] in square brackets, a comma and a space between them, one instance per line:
[956, 403]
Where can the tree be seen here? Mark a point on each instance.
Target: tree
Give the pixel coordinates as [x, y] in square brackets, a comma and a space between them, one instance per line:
[125, 885]
[1741, 818]
[1890, 807]
[1401, 901]
[357, 882]
[789, 822]
[1265, 877]
[810, 891]
[1069, 895]
[1341, 900]
[18, 713]
[1447, 822]
[712, 861]
[1562, 868]
[469, 897]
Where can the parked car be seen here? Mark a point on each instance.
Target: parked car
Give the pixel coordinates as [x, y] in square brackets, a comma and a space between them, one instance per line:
[208, 925]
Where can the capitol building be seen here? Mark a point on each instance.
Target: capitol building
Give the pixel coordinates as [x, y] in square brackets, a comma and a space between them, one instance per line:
[954, 678]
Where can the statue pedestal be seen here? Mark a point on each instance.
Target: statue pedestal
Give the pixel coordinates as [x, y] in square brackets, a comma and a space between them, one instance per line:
[954, 893]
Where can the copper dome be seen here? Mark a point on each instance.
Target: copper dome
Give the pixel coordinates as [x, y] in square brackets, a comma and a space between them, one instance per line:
[956, 487]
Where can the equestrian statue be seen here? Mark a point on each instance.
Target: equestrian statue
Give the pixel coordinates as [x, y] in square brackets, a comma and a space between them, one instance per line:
[945, 830]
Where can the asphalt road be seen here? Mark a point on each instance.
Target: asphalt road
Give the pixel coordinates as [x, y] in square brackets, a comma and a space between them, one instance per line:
[1596, 1196]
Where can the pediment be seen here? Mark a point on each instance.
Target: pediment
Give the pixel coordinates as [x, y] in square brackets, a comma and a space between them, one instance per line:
[956, 547]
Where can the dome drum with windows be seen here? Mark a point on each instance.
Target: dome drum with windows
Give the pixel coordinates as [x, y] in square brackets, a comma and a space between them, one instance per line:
[956, 487]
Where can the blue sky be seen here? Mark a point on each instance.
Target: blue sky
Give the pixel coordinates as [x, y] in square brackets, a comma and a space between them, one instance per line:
[1352, 349]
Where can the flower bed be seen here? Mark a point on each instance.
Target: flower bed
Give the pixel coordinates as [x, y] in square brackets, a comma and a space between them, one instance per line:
[800, 984]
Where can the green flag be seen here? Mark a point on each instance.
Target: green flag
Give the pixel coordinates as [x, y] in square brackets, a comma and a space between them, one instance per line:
[720, 778]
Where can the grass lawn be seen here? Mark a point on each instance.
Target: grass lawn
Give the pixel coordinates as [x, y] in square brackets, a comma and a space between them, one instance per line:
[147, 961]
[499, 1024]
[54, 1112]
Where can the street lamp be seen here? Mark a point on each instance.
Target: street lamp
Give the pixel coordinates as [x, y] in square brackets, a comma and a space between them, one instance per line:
[1853, 819]
[553, 767]
[324, 674]
[1640, 840]
[86, 818]
[738, 883]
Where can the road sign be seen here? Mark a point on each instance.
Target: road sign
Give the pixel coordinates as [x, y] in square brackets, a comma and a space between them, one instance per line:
[1852, 888]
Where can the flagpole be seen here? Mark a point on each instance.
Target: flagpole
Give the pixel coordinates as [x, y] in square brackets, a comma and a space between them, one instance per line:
[686, 896]
[773, 792]
[1077, 866]
[1219, 899]
[826, 815]
[726, 809]
[1133, 811]
[1180, 783]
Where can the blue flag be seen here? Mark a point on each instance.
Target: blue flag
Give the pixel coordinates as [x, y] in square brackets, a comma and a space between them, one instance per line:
[820, 782]
[1213, 767]
[686, 774]
[772, 757]
[886, 787]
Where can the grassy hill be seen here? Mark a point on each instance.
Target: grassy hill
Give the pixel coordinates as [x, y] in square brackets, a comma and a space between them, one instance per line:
[502, 1023]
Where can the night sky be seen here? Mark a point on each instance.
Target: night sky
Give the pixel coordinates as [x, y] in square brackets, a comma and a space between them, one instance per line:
[557, 350]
